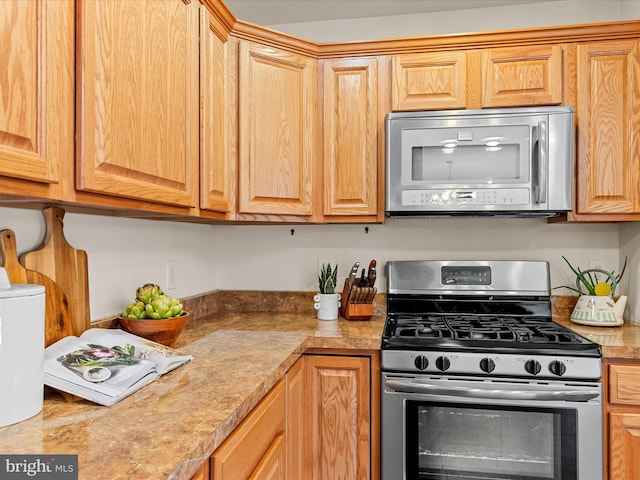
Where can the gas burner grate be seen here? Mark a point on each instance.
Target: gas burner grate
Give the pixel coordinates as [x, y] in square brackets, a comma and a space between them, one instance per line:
[534, 330]
[431, 326]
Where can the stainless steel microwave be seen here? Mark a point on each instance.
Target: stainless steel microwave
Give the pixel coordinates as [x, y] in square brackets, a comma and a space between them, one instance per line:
[496, 162]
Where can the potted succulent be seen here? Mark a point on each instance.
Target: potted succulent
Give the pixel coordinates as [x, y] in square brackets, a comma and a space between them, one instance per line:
[327, 300]
[154, 315]
[597, 307]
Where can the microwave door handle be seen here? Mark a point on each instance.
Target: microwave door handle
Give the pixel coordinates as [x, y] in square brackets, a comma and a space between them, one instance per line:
[495, 394]
[542, 162]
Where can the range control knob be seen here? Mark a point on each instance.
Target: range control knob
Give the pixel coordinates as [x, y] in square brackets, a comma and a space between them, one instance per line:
[442, 363]
[532, 366]
[557, 368]
[487, 365]
[421, 362]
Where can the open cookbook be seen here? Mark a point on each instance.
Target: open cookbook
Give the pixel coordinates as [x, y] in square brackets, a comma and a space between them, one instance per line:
[107, 365]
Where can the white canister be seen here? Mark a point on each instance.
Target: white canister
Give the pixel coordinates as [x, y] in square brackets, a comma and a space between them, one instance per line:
[327, 305]
[21, 350]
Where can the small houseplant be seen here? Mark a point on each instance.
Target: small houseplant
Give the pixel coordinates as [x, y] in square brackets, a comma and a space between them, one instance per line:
[327, 279]
[327, 300]
[154, 315]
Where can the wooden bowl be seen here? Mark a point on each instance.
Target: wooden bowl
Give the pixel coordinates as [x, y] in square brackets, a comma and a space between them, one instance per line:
[164, 331]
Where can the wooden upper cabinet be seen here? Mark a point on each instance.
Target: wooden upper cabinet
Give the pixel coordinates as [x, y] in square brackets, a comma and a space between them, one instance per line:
[522, 76]
[429, 81]
[277, 131]
[218, 123]
[487, 78]
[138, 98]
[608, 122]
[37, 98]
[350, 136]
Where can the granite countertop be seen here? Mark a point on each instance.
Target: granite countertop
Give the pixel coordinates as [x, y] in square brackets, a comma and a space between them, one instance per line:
[169, 428]
[617, 342]
[621, 342]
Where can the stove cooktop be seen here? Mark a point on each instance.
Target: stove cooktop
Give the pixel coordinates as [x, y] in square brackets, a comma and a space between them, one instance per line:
[490, 333]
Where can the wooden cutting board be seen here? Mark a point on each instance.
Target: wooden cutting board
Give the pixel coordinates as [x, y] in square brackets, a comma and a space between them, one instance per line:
[58, 321]
[65, 265]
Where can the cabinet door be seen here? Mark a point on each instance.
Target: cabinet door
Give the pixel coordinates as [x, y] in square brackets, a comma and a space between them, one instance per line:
[339, 414]
[296, 420]
[218, 93]
[429, 81]
[624, 384]
[202, 473]
[138, 102]
[624, 446]
[608, 120]
[277, 96]
[37, 98]
[273, 464]
[350, 136]
[256, 449]
[522, 76]
[622, 381]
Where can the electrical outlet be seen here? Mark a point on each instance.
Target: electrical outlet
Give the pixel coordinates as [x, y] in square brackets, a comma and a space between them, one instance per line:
[326, 261]
[171, 275]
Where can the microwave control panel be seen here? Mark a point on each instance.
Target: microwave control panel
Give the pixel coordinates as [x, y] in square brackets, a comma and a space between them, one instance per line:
[449, 197]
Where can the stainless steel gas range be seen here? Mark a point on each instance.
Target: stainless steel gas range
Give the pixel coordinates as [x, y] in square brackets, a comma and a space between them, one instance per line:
[478, 382]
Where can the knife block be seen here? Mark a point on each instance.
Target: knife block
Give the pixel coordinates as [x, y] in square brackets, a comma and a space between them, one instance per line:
[356, 303]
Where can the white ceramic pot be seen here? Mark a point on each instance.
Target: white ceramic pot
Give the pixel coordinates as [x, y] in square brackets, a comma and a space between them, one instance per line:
[599, 311]
[327, 305]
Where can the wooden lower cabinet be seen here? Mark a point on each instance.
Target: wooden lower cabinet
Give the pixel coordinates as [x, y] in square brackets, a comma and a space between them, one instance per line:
[340, 399]
[202, 473]
[295, 413]
[622, 420]
[321, 422]
[256, 449]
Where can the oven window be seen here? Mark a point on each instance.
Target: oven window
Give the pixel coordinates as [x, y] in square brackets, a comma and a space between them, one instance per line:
[446, 441]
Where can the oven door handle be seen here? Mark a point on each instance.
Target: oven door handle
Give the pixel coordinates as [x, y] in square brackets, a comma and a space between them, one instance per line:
[426, 388]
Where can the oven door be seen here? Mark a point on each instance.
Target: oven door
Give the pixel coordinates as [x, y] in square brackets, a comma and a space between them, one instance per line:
[471, 428]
